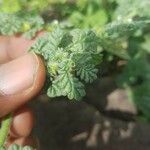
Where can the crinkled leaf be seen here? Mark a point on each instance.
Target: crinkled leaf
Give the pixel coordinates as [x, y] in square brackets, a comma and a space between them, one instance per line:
[29, 25]
[36, 24]
[9, 24]
[113, 37]
[132, 8]
[64, 53]
[88, 73]
[67, 85]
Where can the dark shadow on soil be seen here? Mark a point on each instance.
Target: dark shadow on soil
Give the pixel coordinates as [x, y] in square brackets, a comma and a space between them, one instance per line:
[67, 126]
[88, 125]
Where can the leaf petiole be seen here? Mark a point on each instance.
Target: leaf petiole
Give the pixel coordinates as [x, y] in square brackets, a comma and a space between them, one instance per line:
[4, 130]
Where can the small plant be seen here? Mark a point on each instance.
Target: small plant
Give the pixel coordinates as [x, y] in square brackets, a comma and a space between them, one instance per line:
[71, 58]
[73, 55]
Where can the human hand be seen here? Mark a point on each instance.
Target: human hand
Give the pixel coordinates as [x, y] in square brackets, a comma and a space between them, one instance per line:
[22, 76]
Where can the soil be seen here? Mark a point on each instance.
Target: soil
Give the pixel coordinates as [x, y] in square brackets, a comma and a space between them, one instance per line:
[104, 120]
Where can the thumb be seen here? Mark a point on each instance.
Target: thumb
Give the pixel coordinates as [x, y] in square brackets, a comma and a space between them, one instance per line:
[20, 80]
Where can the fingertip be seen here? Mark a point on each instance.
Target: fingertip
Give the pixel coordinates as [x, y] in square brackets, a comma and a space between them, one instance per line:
[23, 122]
[12, 47]
[18, 46]
[4, 42]
[12, 101]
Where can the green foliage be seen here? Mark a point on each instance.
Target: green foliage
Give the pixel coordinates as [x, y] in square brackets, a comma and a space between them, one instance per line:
[121, 28]
[114, 36]
[115, 28]
[4, 130]
[29, 25]
[133, 8]
[69, 55]
[81, 32]
[89, 13]
[28, 5]
[142, 97]
[87, 72]
[9, 24]
[134, 72]
[6, 6]
[72, 56]
[146, 44]
[16, 147]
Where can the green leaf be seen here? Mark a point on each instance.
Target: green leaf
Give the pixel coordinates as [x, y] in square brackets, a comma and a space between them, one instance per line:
[142, 98]
[84, 41]
[146, 44]
[123, 28]
[88, 73]
[113, 38]
[9, 24]
[135, 70]
[29, 25]
[64, 53]
[35, 23]
[48, 45]
[2, 148]
[54, 90]
[77, 89]
[67, 85]
[17, 147]
[132, 8]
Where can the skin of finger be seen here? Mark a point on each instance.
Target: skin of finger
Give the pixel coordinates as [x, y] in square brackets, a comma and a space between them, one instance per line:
[23, 122]
[18, 46]
[11, 103]
[4, 40]
[12, 47]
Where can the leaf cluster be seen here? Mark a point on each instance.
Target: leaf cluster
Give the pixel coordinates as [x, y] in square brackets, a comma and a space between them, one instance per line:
[29, 25]
[86, 14]
[28, 5]
[114, 36]
[133, 8]
[71, 58]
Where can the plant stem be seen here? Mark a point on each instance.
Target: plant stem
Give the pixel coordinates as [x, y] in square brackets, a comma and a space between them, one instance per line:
[129, 92]
[107, 8]
[4, 130]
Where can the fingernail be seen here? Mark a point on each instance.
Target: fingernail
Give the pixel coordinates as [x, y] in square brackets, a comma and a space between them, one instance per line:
[18, 75]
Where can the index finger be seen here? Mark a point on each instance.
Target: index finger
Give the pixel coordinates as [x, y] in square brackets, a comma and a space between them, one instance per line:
[12, 47]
